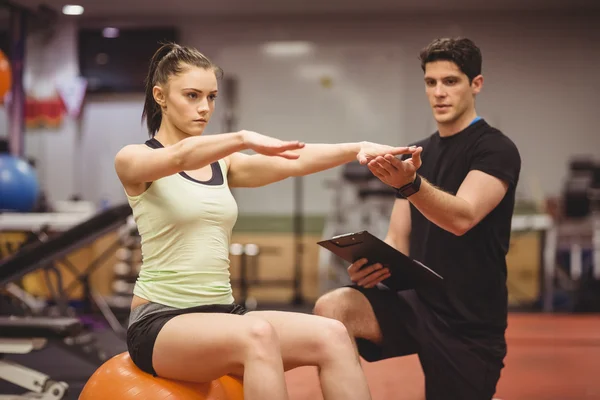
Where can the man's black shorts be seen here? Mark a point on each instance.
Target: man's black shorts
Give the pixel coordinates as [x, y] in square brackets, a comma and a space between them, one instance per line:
[454, 369]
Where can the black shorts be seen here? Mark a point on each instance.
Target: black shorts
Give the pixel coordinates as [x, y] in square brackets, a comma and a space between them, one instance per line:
[142, 334]
[454, 366]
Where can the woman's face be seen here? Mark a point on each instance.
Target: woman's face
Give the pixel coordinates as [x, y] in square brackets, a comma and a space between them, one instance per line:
[189, 99]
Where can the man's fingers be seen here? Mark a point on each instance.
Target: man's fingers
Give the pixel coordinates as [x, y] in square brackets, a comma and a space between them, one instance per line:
[379, 280]
[375, 172]
[356, 265]
[360, 274]
[374, 278]
[378, 170]
[383, 163]
[395, 162]
[417, 157]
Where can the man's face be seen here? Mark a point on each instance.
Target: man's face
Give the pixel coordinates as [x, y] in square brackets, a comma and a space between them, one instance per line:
[450, 94]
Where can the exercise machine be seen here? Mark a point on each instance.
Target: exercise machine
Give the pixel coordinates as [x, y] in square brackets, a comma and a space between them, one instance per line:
[579, 236]
[43, 254]
[21, 335]
[360, 202]
[24, 334]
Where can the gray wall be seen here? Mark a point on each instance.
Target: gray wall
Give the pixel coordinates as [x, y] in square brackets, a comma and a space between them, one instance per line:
[540, 89]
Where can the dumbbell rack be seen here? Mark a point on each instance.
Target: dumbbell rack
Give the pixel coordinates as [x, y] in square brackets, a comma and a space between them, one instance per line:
[126, 269]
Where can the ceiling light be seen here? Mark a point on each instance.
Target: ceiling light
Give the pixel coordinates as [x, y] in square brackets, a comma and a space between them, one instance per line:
[110, 33]
[72, 10]
[283, 49]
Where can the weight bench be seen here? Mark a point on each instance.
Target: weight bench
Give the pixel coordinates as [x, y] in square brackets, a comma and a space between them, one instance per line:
[21, 335]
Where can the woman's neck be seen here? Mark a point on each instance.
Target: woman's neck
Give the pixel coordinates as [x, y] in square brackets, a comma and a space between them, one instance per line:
[169, 135]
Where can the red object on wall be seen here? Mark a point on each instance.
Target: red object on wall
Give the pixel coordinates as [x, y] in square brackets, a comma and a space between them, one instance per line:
[46, 113]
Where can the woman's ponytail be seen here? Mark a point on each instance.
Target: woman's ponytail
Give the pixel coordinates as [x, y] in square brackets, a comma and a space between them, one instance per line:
[152, 112]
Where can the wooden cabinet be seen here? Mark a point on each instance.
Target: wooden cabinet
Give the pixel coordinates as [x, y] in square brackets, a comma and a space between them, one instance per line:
[277, 260]
[524, 263]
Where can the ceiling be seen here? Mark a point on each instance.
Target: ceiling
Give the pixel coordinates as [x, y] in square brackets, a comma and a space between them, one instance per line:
[190, 8]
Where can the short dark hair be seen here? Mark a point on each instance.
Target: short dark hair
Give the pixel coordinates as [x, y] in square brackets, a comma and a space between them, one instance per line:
[461, 51]
[169, 60]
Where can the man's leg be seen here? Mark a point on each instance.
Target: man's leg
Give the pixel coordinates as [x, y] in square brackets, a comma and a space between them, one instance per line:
[353, 309]
[455, 366]
[453, 371]
[388, 324]
[376, 319]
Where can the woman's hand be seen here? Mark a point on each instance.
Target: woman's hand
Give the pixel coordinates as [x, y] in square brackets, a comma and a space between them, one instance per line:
[271, 146]
[370, 151]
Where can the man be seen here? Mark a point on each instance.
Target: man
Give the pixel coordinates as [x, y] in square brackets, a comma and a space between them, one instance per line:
[453, 212]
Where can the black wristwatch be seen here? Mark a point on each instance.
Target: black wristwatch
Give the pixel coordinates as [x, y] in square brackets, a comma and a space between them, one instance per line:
[411, 188]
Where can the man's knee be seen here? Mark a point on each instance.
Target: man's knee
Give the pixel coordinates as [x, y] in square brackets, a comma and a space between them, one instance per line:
[353, 309]
[336, 304]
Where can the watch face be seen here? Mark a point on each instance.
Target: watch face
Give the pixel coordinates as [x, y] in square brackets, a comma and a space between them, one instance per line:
[411, 188]
[409, 191]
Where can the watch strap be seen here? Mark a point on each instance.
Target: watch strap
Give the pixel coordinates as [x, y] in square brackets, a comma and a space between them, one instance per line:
[410, 188]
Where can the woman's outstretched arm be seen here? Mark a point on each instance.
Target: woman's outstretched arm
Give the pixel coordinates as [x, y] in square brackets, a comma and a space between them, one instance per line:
[257, 170]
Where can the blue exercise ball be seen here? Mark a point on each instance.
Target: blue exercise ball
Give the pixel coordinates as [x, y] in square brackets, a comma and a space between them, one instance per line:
[19, 186]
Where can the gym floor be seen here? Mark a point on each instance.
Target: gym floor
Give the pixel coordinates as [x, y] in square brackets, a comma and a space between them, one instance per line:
[550, 357]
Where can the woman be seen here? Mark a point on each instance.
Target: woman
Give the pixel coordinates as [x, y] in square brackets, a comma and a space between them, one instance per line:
[184, 323]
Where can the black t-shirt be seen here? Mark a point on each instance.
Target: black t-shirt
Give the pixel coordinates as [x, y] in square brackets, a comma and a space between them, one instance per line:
[474, 298]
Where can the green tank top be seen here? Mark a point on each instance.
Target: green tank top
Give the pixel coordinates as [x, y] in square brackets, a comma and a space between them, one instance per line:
[185, 227]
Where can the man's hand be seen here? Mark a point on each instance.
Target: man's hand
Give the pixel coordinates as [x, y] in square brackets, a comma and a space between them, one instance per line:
[394, 172]
[369, 276]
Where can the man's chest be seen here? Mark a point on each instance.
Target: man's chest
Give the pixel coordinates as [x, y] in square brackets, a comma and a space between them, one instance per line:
[446, 166]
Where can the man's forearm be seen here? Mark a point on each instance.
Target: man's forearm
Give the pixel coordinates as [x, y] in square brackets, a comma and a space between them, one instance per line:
[447, 211]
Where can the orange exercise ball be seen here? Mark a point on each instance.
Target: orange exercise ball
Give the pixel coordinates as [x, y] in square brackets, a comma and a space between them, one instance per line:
[5, 76]
[119, 378]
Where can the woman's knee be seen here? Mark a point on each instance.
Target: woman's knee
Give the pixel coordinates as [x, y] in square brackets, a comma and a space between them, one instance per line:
[336, 334]
[261, 339]
[332, 341]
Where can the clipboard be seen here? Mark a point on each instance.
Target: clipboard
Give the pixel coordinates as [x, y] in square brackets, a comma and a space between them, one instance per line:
[405, 272]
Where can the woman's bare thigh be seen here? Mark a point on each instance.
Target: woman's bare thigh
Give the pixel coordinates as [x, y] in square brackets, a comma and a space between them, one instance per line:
[201, 347]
